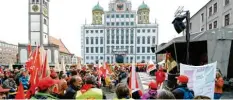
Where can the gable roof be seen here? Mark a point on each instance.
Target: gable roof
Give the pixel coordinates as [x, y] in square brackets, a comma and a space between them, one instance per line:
[62, 47]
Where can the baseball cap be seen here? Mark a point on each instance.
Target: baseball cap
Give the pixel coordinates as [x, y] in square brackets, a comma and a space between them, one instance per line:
[153, 85]
[183, 79]
[47, 82]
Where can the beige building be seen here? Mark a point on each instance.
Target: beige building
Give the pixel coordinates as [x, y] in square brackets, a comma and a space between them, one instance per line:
[8, 53]
[215, 14]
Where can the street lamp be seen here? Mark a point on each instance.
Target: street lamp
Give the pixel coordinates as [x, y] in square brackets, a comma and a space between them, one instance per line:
[179, 26]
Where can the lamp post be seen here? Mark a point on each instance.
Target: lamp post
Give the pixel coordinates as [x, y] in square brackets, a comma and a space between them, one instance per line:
[180, 26]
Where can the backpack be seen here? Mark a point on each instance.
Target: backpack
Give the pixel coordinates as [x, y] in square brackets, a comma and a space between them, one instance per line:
[187, 93]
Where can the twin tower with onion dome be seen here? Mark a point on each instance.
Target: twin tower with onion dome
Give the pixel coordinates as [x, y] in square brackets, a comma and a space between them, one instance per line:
[143, 11]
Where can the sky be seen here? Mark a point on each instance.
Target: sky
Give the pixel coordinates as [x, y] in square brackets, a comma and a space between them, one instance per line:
[67, 16]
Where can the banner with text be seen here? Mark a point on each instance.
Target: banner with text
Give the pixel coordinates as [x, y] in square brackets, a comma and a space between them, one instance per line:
[201, 78]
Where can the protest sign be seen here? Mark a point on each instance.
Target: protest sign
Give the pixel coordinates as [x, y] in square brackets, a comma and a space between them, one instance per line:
[201, 78]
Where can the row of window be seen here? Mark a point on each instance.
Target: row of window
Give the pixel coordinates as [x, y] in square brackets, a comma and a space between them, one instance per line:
[96, 31]
[215, 23]
[109, 48]
[91, 40]
[144, 40]
[7, 45]
[214, 8]
[120, 23]
[111, 59]
[120, 15]
[122, 31]
[38, 1]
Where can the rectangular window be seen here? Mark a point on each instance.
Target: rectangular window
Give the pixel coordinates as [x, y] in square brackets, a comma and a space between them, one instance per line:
[143, 40]
[108, 16]
[132, 23]
[127, 16]
[210, 11]
[127, 39]
[210, 26]
[153, 39]
[87, 40]
[122, 16]
[148, 49]
[153, 30]
[138, 31]
[101, 49]
[215, 7]
[108, 23]
[122, 47]
[92, 57]
[92, 31]
[96, 40]
[148, 57]
[138, 57]
[108, 49]
[131, 39]
[148, 40]
[117, 23]
[101, 40]
[215, 24]
[143, 50]
[127, 48]
[148, 30]
[96, 50]
[227, 19]
[202, 17]
[127, 23]
[87, 50]
[113, 16]
[87, 31]
[132, 15]
[138, 49]
[112, 23]
[108, 39]
[227, 2]
[92, 49]
[143, 31]
[122, 23]
[101, 31]
[117, 16]
[153, 57]
[92, 40]
[122, 36]
[112, 47]
[117, 39]
[96, 31]
[87, 57]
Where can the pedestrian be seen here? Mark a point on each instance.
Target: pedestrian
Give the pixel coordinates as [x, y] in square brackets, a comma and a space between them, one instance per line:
[74, 86]
[24, 80]
[10, 83]
[165, 94]
[89, 90]
[218, 90]
[160, 76]
[122, 91]
[182, 91]
[62, 86]
[152, 92]
[45, 87]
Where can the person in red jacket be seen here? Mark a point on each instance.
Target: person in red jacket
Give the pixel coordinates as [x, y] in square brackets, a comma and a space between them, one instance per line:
[160, 76]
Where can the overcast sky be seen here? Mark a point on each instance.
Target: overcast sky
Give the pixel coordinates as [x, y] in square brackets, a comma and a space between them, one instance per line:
[67, 17]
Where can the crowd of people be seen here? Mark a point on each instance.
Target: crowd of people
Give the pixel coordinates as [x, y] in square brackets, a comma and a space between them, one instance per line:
[87, 84]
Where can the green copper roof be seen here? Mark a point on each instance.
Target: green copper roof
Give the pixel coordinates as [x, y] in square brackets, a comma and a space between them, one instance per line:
[143, 6]
[97, 7]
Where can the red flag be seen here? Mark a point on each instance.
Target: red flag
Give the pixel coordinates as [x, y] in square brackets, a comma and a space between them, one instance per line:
[109, 71]
[44, 73]
[20, 92]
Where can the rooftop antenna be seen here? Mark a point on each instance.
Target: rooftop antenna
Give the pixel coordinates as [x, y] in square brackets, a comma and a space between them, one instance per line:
[179, 11]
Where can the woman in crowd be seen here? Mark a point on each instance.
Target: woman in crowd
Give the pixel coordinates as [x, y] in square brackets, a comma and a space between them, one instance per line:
[122, 91]
[218, 86]
[165, 94]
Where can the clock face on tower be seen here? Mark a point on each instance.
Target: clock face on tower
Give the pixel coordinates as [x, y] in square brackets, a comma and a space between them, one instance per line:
[120, 7]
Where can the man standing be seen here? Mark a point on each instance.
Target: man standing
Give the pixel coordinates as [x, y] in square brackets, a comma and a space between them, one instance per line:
[74, 86]
[182, 91]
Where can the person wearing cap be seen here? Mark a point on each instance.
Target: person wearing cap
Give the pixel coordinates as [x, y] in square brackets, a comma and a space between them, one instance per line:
[160, 76]
[74, 86]
[45, 89]
[3, 93]
[182, 91]
[152, 92]
[89, 90]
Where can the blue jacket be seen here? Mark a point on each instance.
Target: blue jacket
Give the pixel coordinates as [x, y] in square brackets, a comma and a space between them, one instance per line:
[24, 81]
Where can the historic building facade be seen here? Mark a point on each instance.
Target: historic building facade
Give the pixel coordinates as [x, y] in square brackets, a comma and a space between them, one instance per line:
[119, 34]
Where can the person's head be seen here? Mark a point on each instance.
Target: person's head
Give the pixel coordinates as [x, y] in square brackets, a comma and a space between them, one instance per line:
[202, 97]
[90, 80]
[54, 75]
[122, 91]
[76, 81]
[182, 79]
[74, 72]
[47, 85]
[64, 76]
[153, 85]
[165, 94]
[218, 75]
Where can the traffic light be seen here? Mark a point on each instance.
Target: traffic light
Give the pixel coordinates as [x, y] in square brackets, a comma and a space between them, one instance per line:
[178, 24]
